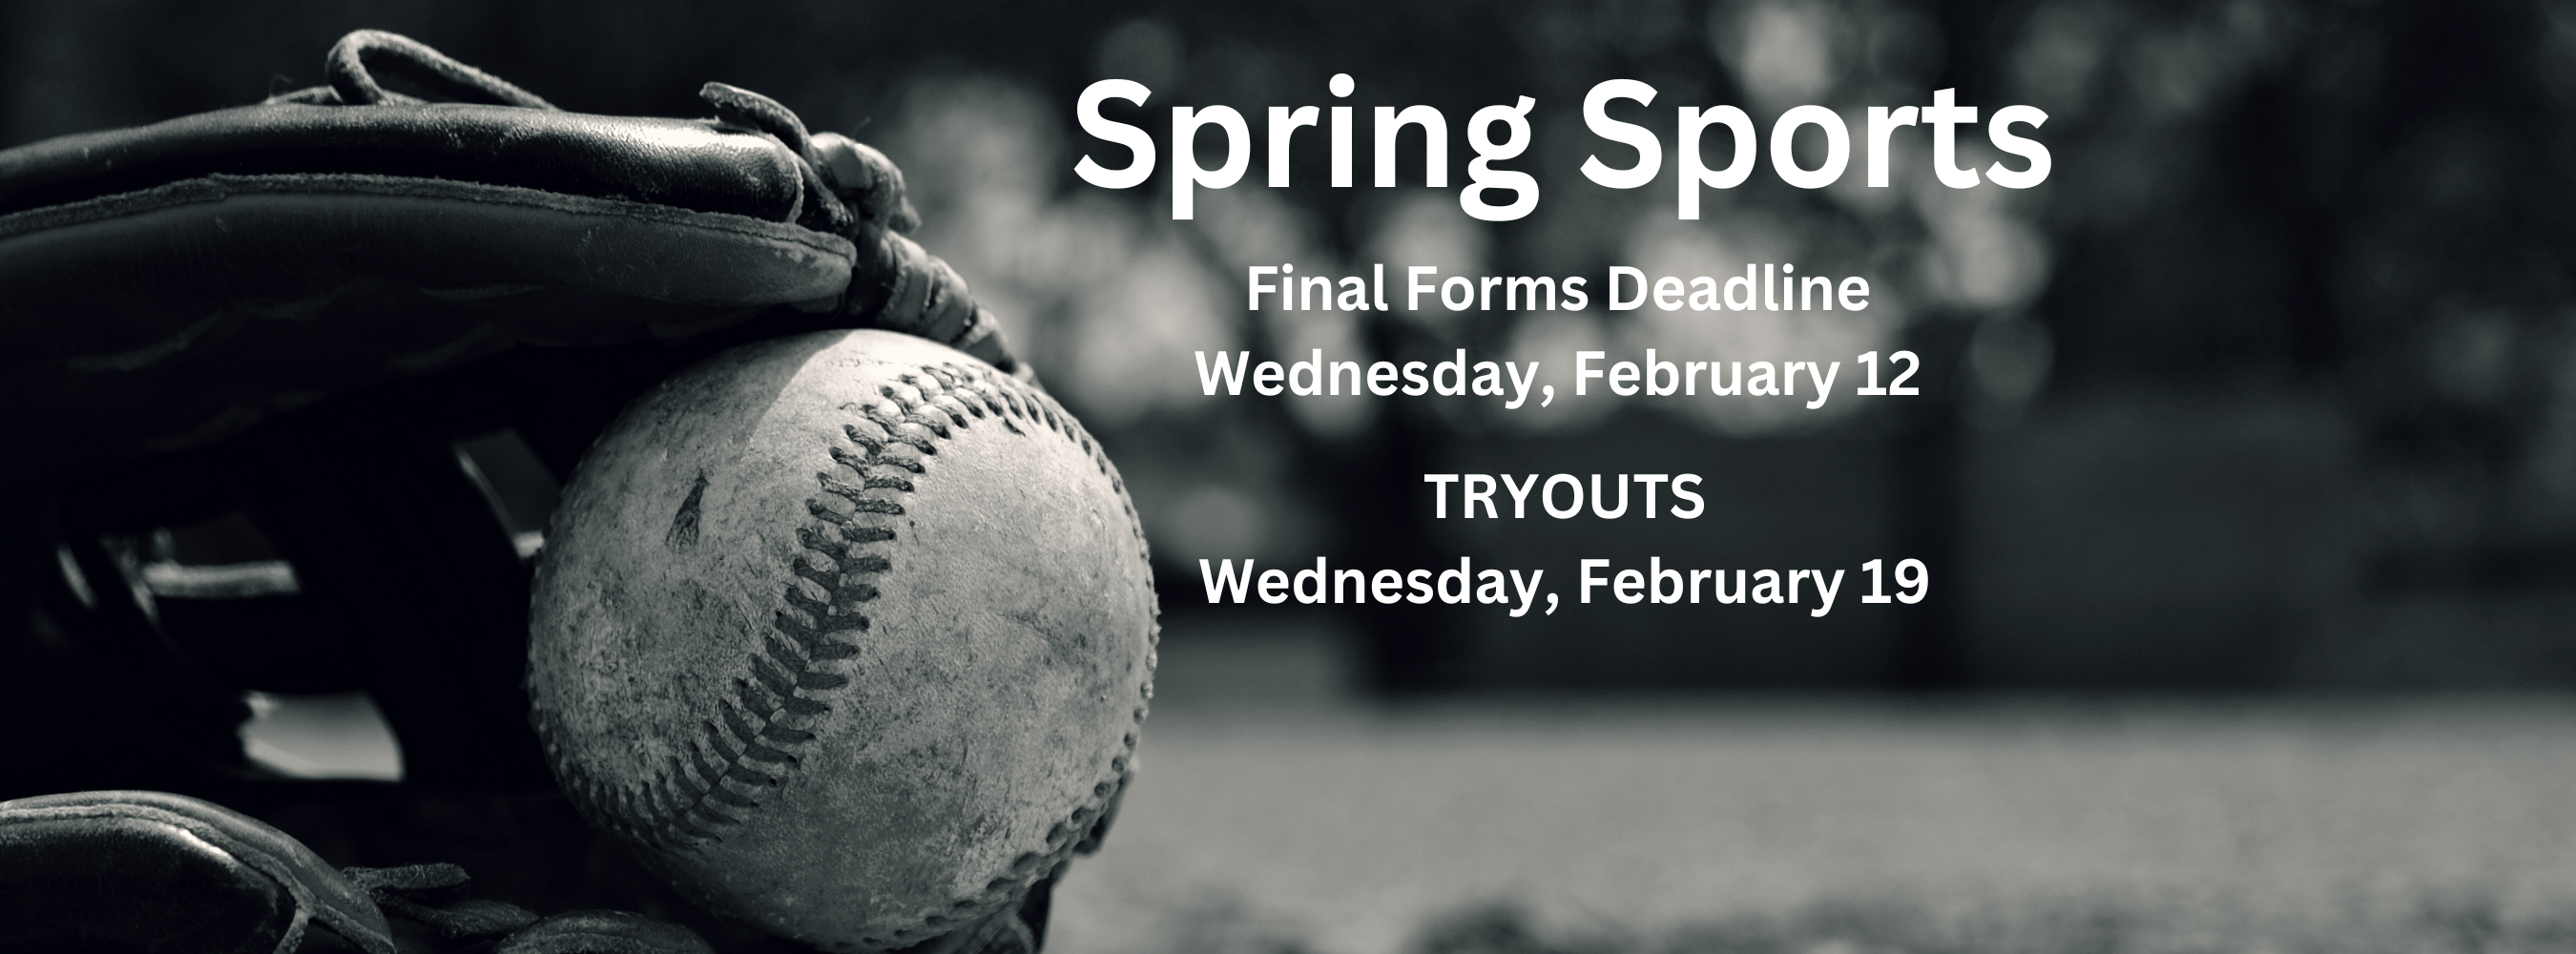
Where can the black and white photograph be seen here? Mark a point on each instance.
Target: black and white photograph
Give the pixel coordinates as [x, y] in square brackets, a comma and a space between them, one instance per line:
[1309, 477]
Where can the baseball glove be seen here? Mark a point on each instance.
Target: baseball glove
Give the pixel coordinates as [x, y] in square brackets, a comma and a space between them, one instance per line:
[299, 329]
[176, 283]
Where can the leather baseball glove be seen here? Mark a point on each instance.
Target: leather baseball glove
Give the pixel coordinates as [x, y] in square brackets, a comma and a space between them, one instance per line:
[254, 364]
[179, 282]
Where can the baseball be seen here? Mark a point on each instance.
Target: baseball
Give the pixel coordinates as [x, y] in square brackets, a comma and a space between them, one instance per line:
[848, 634]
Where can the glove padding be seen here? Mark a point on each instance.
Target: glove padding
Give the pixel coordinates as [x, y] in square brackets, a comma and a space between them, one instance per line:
[167, 286]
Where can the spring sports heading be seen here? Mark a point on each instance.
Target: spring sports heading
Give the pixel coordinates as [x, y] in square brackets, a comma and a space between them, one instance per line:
[1503, 195]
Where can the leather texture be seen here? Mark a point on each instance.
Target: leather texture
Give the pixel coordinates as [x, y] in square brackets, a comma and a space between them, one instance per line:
[182, 315]
[169, 286]
[269, 241]
[294, 309]
[429, 900]
[155, 872]
[699, 165]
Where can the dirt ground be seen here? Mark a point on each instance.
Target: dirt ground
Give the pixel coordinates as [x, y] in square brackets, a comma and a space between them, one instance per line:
[1277, 814]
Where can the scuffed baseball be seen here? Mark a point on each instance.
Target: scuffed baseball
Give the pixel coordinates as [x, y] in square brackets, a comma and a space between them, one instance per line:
[848, 634]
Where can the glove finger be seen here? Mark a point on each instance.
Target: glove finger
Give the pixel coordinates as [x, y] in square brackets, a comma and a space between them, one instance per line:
[866, 179]
[899, 287]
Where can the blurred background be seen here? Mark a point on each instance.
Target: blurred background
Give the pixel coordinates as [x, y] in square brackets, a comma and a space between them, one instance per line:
[2245, 462]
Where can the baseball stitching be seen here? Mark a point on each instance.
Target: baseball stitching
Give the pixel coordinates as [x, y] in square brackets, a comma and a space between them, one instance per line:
[747, 750]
